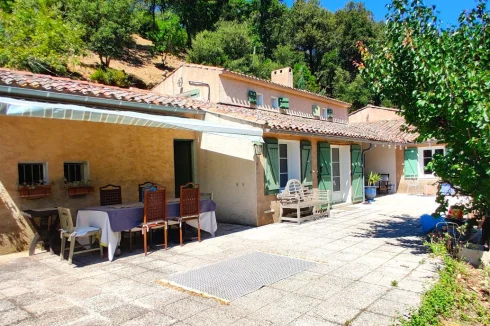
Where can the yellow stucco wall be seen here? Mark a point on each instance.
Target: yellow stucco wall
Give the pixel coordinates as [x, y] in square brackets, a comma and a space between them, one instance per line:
[117, 154]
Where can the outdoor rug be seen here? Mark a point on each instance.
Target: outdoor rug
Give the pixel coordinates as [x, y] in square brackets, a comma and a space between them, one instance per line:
[236, 277]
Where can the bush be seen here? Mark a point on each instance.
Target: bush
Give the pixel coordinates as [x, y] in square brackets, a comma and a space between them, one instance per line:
[111, 77]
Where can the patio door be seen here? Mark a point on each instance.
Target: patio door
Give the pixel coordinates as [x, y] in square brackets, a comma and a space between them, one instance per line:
[356, 171]
[337, 194]
[182, 164]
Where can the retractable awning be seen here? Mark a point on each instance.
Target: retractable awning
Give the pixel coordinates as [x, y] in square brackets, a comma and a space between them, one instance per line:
[14, 107]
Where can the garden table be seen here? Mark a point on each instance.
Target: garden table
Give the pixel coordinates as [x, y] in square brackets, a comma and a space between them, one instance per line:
[113, 219]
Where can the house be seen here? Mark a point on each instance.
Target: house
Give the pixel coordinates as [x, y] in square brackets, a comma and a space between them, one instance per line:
[56, 128]
[307, 137]
[407, 162]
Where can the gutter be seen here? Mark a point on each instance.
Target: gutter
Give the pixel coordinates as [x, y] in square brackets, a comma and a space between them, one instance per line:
[118, 104]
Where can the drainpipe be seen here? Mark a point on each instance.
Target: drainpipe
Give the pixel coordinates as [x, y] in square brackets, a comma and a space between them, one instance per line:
[195, 83]
[363, 174]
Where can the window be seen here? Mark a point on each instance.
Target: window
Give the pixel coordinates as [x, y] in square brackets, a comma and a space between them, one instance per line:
[76, 171]
[336, 168]
[327, 113]
[260, 99]
[425, 157]
[32, 173]
[283, 165]
[274, 102]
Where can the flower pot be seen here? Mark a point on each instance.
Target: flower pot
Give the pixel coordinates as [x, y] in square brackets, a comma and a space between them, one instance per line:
[79, 191]
[34, 192]
[370, 192]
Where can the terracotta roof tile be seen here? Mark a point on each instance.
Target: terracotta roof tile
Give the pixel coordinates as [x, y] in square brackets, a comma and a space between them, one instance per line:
[382, 131]
[64, 85]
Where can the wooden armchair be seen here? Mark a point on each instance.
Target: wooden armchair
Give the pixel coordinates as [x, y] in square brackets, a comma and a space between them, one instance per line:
[110, 195]
[72, 233]
[190, 207]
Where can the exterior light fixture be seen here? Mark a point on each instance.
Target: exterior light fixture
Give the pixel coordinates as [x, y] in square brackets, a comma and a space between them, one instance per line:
[258, 148]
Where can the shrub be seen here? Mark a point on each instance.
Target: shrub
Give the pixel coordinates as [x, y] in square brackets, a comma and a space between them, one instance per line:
[111, 77]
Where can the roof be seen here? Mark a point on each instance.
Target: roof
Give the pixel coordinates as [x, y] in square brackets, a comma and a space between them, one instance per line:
[382, 131]
[226, 71]
[369, 106]
[48, 83]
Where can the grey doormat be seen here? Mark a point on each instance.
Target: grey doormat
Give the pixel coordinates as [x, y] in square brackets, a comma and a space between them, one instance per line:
[233, 278]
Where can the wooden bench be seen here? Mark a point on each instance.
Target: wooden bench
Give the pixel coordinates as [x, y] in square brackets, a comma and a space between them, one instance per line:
[295, 196]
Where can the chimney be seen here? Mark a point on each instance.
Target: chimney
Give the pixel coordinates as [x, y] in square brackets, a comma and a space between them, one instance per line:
[283, 76]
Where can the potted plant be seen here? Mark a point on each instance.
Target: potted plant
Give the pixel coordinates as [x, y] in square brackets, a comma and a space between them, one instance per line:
[370, 189]
[78, 188]
[34, 190]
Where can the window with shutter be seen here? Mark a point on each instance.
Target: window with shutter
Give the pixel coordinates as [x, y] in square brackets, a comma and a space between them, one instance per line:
[306, 163]
[252, 97]
[283, 103]
[271, 162]
[411, 163]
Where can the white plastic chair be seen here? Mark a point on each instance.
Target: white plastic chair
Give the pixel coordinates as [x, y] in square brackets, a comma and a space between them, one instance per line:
[72, 233]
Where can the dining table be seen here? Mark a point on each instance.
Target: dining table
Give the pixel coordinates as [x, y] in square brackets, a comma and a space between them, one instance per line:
[113, 219]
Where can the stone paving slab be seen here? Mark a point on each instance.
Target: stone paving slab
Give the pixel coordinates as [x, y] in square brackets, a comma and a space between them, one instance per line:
[359, 251]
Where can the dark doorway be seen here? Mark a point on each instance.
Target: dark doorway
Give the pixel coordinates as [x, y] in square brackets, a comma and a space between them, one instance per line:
[182, 164]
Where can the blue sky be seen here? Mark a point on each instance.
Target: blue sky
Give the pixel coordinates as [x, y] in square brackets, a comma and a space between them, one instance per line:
[449, 9]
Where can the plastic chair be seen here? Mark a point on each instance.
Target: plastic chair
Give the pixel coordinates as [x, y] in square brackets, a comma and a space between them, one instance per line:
[68, 231]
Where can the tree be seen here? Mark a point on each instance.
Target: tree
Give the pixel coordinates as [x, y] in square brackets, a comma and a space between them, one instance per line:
[303, 79]
[351, 90]
[268, 20]
[168, 36]
[439, 78]
[312, 31]
[108, 26]
[231, 41]
[35, 37]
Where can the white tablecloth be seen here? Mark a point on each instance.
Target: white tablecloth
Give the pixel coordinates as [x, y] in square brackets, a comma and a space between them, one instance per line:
[110, 239]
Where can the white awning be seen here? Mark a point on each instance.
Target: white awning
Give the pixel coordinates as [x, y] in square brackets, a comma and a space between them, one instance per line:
[14, 107]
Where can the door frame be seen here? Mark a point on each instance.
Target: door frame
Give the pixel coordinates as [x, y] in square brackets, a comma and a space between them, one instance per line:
[193, 158]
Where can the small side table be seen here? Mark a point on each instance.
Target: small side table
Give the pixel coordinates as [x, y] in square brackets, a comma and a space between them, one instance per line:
[44, 235]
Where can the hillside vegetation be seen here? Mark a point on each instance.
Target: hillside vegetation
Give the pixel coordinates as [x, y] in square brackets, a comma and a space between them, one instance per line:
[132, 43]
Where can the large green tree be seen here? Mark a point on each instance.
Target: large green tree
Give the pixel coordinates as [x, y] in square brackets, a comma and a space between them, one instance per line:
[35, 37]
[440, 79]
[108, 26]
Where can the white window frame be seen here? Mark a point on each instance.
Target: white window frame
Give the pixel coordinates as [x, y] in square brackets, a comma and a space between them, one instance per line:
[85, 170]
[45, 170]
[293, 159]
[260, 99]
[422, 174]
[275, 102]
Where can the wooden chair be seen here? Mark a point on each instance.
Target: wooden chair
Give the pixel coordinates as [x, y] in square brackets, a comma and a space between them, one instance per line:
[72, 233]
[110, 195]
[190, 203]
[155, 214]
[142, 187]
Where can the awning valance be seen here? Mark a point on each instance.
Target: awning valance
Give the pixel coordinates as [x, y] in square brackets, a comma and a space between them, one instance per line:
[14, 107]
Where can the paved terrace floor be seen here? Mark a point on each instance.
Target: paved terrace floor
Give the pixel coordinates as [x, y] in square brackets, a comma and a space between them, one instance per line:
[361, 250]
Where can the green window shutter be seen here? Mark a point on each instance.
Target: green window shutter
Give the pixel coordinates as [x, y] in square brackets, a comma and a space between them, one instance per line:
[271, 173]
[315, 110]
[356, 174]
[306, 163]
[252, 97]
[411, 163]
[324, 164]
[283, 103]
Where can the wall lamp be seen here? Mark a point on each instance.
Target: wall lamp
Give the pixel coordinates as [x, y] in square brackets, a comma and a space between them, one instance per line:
[257, 148]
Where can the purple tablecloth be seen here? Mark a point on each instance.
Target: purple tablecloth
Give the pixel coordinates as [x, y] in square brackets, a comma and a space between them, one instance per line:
[125, 218]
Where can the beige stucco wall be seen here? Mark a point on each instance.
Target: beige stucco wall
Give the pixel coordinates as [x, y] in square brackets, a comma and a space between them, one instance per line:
[232, 89]
[227, 167]
[117, 154]
[382, 160]
[209, 75]
[370, 114]
[235, 91]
